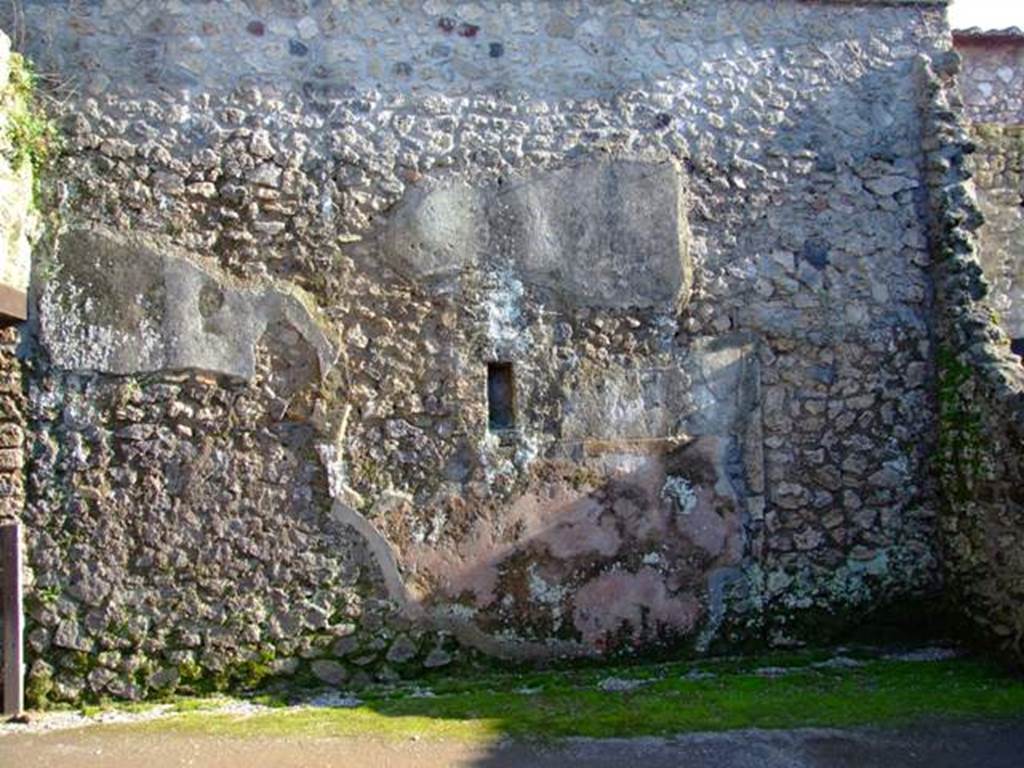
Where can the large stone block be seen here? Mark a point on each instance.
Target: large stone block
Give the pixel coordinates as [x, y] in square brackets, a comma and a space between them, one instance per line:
[437, 232]
[132, 304]
[602, 233]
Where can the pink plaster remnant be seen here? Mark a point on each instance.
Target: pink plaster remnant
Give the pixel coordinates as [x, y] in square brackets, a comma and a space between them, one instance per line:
[704, 526]
[564, 528]
[569, 524]
[639, 599]
[556, 518]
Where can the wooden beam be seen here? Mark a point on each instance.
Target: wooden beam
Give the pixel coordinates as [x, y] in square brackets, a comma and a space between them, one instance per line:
[13, 303]
[13, 616]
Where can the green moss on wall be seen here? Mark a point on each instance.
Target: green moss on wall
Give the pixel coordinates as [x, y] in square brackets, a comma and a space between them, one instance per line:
[961, 450]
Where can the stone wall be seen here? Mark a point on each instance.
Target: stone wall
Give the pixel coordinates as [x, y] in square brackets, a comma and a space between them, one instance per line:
[991, 83]
[981, 397]
[998, 172]
[981, 389]
[12, 424]
[12, 437]
[295, 241]
[992, 80]
[16, 222]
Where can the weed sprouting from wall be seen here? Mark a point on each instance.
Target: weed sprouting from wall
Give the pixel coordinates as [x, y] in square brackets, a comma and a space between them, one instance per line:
[31, 137]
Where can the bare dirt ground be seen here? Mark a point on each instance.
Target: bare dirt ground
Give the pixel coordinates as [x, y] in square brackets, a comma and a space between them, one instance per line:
[993, 744]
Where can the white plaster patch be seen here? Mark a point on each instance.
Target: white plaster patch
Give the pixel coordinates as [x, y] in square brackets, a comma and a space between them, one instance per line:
[527, 451]
[495, 465]
[505, 326]
[334, 465]
[681, 491]
[544, 592]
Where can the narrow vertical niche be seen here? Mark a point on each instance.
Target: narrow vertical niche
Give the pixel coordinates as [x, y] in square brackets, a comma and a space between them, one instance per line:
[500, 397]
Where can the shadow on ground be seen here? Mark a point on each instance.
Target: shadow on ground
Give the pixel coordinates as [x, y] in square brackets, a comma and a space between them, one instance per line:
[924, 708]
[936, 744]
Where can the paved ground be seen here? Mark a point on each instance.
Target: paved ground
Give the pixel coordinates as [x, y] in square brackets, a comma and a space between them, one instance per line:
[938, 745]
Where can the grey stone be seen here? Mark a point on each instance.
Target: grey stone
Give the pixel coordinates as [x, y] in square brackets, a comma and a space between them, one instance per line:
[890, 185]
[437, 232]
[438, 657]
[330, 672]
[620, 403]
[39, 639]
[886, 478]
[622, 685]
[402, 650]
[68, 688]
[287, 666]
[124, 689]
[265, 174]
[164, 678]
[99, 677]
[628, 217]
[344, 646]
[70, 635]
[773, 671]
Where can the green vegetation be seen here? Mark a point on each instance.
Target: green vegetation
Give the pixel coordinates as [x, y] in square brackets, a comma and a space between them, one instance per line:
[32, 138]
[242, 675]
[137, 707]
[961, 449]
[788, 691]
[37, 689]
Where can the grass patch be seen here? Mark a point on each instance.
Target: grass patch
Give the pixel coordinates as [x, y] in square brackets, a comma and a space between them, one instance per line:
[107, 705]
[562, 704]
[200, 704]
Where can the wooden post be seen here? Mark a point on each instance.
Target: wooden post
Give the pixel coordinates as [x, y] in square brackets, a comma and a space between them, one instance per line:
[14, 649]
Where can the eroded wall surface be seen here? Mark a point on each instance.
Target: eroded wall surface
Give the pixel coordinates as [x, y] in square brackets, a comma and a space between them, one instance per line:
[16, 222]
[992, 80]
[980, 394]
[998, 167]
[991, 83]
[295, 235]
[982, 422]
